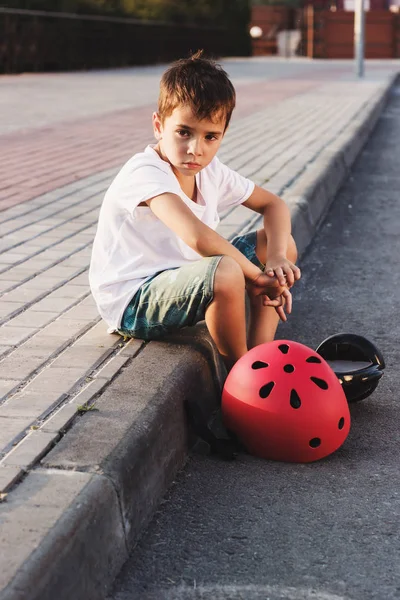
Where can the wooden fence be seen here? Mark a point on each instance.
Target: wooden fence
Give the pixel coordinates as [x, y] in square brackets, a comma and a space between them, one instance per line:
[43, 41]
[328, 34]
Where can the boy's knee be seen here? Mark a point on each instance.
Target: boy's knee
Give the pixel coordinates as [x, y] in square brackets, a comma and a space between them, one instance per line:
[262, 251]
[229, 277]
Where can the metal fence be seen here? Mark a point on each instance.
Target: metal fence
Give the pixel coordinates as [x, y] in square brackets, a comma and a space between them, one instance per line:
[51, 41]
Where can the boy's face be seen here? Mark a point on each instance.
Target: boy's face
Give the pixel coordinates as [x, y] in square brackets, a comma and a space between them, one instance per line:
[186, 143]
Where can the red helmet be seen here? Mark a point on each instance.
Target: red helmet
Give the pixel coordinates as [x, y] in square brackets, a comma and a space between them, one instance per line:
[284, 402]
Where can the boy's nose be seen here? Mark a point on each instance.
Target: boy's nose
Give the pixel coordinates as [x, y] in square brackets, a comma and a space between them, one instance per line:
[195, 147]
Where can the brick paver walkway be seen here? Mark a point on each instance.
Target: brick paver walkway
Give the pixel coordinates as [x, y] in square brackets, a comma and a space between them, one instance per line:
[53, 157]
[55, 352]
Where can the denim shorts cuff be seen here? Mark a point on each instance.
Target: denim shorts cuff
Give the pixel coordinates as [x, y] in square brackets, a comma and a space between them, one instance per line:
[208, 289]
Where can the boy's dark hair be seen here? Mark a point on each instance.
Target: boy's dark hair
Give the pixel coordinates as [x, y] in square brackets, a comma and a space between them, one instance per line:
[200, 83]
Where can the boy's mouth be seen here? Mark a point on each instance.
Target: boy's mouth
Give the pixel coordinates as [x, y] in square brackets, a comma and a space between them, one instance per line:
[192, 165]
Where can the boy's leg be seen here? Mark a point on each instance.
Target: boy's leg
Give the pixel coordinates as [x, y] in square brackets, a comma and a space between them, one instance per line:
[212, 288]
[225, 315]
[264, 319]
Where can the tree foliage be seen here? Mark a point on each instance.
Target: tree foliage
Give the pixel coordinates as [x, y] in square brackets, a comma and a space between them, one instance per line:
[288, 3]
[221, 12]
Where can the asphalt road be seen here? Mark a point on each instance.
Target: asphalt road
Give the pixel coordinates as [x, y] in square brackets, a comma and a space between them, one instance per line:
[253, 529]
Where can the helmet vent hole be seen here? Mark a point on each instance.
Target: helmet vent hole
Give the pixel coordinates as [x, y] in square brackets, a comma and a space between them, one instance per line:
[320, 383]
[341, 423]
[284, 348]
[259, 364]
[315, 442]
[266, 389]
[288, 368]
[295, 401]
[313, 359]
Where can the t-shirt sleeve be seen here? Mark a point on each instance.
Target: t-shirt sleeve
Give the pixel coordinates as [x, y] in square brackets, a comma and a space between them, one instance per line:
[141, 183]
[233, 188]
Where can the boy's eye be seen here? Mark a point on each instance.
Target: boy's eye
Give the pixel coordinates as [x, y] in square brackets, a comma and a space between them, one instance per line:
[211, 137]
[183, 132]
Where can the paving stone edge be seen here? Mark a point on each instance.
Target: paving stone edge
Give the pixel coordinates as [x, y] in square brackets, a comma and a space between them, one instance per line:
[310, 197]
[93, 548]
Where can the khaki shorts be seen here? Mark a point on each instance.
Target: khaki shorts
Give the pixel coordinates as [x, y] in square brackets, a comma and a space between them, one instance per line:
[178, 298]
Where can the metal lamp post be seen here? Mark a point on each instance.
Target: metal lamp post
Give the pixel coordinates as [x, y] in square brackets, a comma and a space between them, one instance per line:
[359, 37]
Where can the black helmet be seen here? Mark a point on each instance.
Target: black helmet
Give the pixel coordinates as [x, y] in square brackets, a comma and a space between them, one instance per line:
[356, 361]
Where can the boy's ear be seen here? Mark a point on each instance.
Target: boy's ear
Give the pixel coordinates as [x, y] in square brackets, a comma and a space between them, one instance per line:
[157, 126]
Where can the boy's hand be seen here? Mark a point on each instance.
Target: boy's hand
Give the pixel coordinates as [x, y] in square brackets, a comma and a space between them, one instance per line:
[281, 303]
[274, 295]
[263, 284]
[285, 271]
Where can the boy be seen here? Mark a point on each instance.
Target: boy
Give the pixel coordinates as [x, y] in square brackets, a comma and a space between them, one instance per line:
[157, 262]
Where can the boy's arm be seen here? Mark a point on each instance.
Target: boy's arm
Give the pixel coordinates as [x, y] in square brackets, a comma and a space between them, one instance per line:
[277, 226]
[174, 213]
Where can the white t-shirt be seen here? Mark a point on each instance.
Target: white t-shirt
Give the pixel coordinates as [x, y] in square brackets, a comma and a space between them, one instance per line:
[132, 244]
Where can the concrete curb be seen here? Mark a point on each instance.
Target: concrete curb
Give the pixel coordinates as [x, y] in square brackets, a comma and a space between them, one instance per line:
[84, 508]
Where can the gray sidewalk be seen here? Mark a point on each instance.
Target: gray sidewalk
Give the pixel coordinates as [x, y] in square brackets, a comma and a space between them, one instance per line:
[56, 355]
